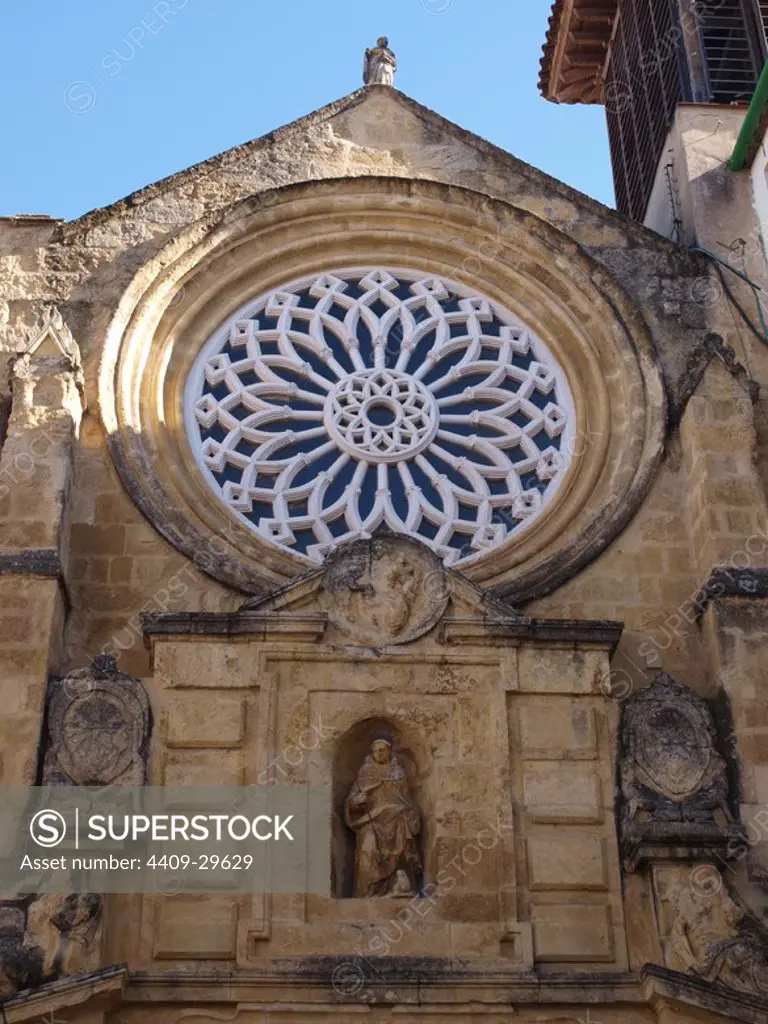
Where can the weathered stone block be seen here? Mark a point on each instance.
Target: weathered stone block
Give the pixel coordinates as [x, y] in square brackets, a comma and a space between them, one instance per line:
[214, 665]
[558, 671]
[203, 721]
[563, 793]
[551, 728]
[565, 859]
[178, 934]
[203, 768]
[573, 933]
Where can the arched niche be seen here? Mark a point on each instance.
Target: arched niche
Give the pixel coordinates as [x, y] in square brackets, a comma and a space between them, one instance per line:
[349, 755]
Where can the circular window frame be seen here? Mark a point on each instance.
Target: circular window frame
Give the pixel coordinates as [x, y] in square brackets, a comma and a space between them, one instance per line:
[595, 333]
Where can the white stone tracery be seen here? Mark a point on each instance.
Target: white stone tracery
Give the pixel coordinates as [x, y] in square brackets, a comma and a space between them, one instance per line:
[361, 398]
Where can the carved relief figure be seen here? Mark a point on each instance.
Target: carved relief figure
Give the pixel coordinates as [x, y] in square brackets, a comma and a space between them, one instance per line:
[403, 584]
[383, 591]
[21, 960]
[98, 730]
[709, 938]
[386, 822]
[380, 64]
[46, 936]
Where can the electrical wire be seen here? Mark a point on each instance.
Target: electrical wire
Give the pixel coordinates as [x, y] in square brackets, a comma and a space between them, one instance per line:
[756, 289]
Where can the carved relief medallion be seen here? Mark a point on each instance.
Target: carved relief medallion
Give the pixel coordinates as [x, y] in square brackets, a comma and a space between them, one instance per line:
[670, 760]
[388, 590]
[670, 755]
[674, 784]
[98, 728]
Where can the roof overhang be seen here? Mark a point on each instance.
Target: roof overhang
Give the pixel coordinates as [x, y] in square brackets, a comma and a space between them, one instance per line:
[576, 49]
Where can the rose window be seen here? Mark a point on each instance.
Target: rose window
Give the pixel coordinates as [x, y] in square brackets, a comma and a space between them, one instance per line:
[360, 399]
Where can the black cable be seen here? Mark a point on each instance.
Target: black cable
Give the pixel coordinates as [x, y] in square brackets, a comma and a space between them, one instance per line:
[744, 315]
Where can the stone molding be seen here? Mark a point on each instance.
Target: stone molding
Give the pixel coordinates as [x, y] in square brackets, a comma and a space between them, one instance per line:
[711, 347]
[52, 335]
[104, 987]
[309, 628]
[48, 349]
[396, 980]
[353, 595]
[666, 988]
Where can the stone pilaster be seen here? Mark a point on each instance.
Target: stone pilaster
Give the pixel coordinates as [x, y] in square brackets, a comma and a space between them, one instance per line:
[727, 512]
[729, 537]
[35, 475]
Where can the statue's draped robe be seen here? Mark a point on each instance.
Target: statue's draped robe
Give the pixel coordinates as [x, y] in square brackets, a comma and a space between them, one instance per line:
[386, 826]
[380, 66]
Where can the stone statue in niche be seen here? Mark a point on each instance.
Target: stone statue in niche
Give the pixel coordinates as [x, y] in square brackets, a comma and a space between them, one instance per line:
[380, 811]
[674, 783]
[98, 728]
[380, 64]
[709, 936]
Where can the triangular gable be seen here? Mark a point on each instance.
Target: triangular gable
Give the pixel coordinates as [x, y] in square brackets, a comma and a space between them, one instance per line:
[302, 595]
[379, 130]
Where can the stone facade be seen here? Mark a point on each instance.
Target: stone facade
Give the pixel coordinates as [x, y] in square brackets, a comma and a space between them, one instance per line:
[591, 850]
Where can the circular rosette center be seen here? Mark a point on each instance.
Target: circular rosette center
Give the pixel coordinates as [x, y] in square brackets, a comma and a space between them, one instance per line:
[381, 415]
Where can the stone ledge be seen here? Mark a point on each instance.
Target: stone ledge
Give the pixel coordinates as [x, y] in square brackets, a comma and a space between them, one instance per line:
[263, 625]
[663, 985]
[276, 625]
[434, 981]
[686, 841]
[725, 582]
[103, 987]
[32, 562]
[600, 632]
[479, 987]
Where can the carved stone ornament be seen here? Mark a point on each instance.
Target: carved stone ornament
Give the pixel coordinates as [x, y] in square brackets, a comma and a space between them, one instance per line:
[709, 935]
[50, 336]
[48, 347]
[98, 728]
[44, 938]
[384, 591]
[674, 785]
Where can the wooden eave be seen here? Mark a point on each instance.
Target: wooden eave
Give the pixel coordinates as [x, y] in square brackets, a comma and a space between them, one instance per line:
[574, 55]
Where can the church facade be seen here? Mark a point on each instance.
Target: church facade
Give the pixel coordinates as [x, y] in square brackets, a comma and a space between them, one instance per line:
[369, 458]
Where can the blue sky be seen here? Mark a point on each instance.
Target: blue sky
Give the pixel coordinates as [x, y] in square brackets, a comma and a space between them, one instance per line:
[104, 98]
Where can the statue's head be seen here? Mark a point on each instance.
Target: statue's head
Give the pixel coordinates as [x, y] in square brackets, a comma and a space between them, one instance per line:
[381, 748]
[383, 42]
